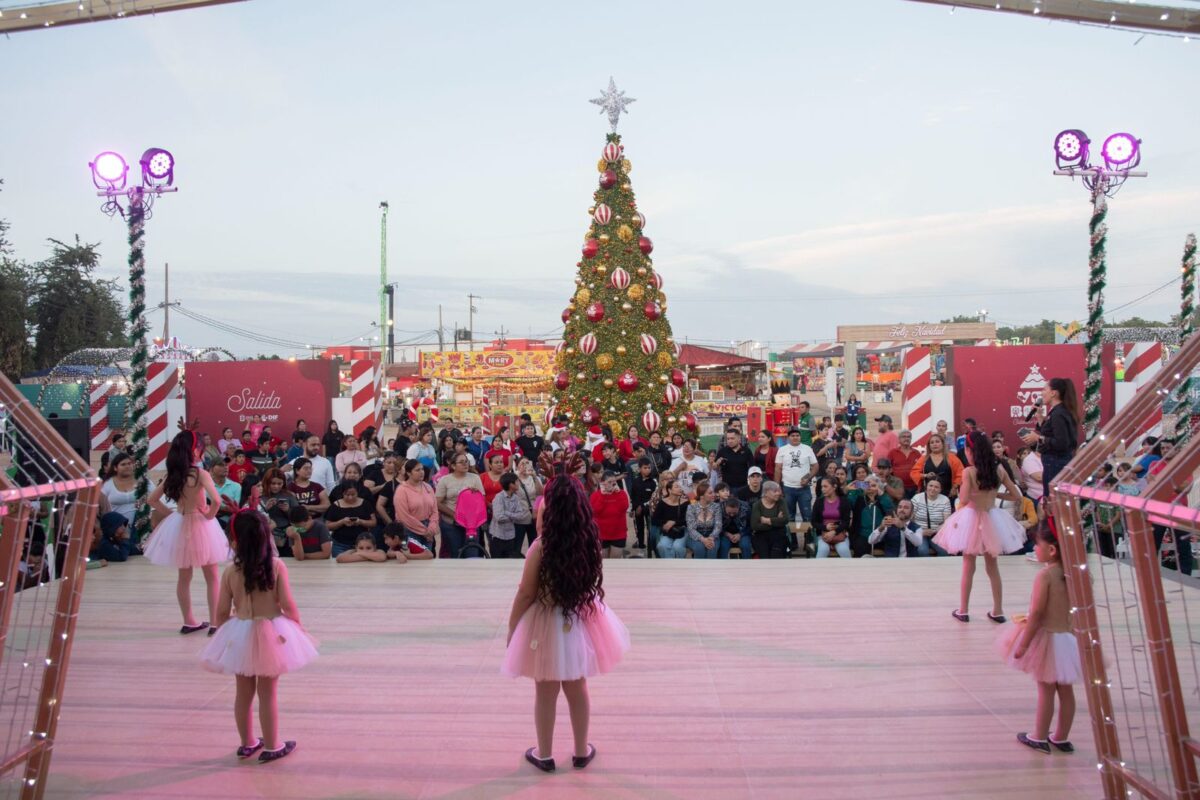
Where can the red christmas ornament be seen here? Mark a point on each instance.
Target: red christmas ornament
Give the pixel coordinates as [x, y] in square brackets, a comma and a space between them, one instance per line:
[678, 378]
[558, 348]
[671, 394]
[595, 312]
[647, 246]
[590, 248]
[566, 315]
[612, 151]
[639, 218]
[628, 382]
[619, 279]
[551, 413]
[608, 179]
[562, 381]
[656, 279]
[652, 310]
[649, 344]
[650, 421]
[587, 344]
[602, 214]
[689, 421]
[590, 415]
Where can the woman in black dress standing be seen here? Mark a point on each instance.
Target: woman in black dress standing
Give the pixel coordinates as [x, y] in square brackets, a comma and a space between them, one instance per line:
[1057, 436]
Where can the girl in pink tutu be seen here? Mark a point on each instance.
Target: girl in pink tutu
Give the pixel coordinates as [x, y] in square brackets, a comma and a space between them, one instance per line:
[560, 631]
[189, 536]
[978, 528]
[262, 639]
[1043, 646]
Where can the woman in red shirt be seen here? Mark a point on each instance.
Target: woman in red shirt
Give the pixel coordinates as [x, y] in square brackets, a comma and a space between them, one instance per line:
[764, 455]
[491, 477]
[610, 506]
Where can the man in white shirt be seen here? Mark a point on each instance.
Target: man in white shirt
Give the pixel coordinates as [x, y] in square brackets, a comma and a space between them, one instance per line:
[795, 466]
[322, 470]
[687, 462]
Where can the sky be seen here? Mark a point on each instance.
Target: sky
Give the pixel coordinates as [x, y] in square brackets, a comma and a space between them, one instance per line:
[800, 165]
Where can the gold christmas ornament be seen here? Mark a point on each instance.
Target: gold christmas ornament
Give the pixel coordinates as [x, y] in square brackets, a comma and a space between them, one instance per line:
[626, 165]
[664, 378]
[625, 233]
[616, 426]
[641, 271]
[604, 361]
[620, 349]
[608, 383]
[672, 419]
[603, 237]
[636, 292]
[601, 269]
[570, 351]
[601, 166]
[579, 376]
[627, 187]
[583, 296]
[664, 359]
[662, 298]
[626, 307]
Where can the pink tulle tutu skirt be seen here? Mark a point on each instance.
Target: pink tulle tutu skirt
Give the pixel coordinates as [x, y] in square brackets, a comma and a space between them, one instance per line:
[548, 647]
[1050, 657]
[187, 540]
[261, 647]
[974, 533]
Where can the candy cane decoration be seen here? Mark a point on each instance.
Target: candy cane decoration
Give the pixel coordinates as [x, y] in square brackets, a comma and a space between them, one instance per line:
[162, 384]
[916, 410]
[1143, 360]
[98, 405]
[364, 394]
[486, 414]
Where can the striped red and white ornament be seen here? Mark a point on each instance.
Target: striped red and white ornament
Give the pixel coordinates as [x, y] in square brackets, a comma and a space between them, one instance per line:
[602, 214]
[551, 413]
[671, 394]
[657, 280]
[639, 219]
[651, 421]
[558, 348]
[649, 343]
[612, 151]
[619, 279]
[587, 343]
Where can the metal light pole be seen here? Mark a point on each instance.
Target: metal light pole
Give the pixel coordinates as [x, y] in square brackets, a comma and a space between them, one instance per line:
[110, 174]
[1121, 153]
[384, 294]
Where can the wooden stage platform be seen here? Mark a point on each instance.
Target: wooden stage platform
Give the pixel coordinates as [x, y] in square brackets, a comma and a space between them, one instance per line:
[800, 679]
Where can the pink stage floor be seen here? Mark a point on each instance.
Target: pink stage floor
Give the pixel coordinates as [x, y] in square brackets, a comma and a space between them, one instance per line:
[801, 679]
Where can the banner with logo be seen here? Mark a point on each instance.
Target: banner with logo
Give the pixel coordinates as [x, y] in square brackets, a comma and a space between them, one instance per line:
[998, 386]
[250, 394]
[501, 365]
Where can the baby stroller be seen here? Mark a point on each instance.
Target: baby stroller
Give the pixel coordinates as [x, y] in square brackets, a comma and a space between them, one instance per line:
[471, 512]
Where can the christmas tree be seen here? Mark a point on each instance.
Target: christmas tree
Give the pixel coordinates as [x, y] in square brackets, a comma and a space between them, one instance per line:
[618, 364]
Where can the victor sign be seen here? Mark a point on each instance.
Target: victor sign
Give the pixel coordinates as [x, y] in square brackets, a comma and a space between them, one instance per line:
[249, 394]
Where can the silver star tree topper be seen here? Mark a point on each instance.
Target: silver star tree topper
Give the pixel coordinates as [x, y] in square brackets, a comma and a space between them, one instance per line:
[613, 103]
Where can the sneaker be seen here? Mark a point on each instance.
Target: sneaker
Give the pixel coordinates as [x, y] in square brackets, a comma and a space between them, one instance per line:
[288, 747]
[1042, 747]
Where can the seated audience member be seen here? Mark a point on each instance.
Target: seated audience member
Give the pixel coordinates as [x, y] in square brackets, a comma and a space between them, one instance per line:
[351, 454]
[353, 474]
[415, 507]
[113, 542]
[349, 518]
[831, 519]
[508, 509]
[869, 510]
[704, 522]
[752, 491]
[732, 534]
[669, 518]
[402, 547]
[312, 495]
[768, 522]
[240, 467]
[308, 538]
[364, 550]
[277, 503]
[262, 457]
[930, 510]
[898, 535]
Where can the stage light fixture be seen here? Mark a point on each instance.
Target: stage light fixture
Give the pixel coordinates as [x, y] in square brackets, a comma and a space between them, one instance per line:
[109, 171]
[1121, 151]
[158, 167]
[1071, 149]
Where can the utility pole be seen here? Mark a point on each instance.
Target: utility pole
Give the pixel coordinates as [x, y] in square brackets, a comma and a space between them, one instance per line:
[441, 338]
[166, 303]
[503, 338]
[471, 298]
[391, 321]
[456, 336]
[384, 318]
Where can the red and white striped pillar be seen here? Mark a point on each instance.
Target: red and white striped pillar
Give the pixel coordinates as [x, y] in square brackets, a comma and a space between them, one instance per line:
[365, 394]
[162, 384]
[98, 398]
[916, 403]
[1143, 360]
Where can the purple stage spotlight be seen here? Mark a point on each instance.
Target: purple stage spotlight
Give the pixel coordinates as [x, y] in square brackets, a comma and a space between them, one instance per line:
[158, 167]
[109, 171]
[1071, 149]
[1121, 150]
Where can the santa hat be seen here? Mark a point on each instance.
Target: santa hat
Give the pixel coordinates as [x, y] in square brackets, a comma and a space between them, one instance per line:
[594, 437]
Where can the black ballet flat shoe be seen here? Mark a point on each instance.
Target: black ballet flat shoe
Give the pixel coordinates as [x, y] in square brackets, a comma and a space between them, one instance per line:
[999, 619]
[186, 629]
[579, 762]
[1041, 747]
[544, 764]
[1062, 747]
[246, 752]
[275, 755]
[212, 631]
[961, 617]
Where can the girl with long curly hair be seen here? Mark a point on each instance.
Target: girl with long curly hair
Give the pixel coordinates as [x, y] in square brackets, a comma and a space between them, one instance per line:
[560, 632]
[259, 635]
[189, 535]
[979, 527]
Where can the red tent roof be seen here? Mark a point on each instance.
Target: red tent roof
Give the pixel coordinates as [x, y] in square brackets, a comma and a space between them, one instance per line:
[691, 355]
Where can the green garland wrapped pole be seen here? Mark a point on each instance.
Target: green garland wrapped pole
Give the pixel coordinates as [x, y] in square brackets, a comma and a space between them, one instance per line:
[1181, 397]
[139, 363]
[1097, 278]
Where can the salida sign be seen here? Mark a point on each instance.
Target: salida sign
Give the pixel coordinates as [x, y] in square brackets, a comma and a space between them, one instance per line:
[245, 394]
[998, 386]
